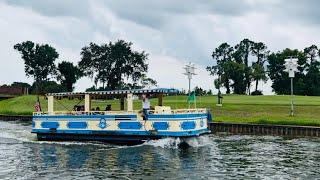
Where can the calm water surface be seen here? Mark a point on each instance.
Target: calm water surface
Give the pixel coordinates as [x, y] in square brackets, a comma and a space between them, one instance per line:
[210, 157]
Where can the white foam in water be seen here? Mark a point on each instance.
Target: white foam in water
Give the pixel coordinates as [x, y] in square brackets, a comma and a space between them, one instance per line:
[173, 143]
[199, 141]
[22, 134]
[164, 143]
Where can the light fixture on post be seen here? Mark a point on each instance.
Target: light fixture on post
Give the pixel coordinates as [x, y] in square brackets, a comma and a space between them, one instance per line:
[291, 67]
[189, 73]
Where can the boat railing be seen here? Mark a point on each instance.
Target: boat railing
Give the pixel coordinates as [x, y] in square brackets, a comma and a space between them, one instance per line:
[176, 111]
[83, 113]
[179, 111]
[198, 110]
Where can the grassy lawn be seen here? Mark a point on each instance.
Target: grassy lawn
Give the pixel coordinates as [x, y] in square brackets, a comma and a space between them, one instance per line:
[236, 108]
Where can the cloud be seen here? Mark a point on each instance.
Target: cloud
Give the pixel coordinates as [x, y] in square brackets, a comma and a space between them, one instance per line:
[172, 32]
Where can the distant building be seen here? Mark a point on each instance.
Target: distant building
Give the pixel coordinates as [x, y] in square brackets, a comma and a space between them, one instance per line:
[14, 91]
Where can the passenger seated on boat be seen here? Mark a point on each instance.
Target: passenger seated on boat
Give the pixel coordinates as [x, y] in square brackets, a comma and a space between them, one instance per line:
[97, 110]
[82, 109]
[78, 108]
[108, 108]
[145, 106]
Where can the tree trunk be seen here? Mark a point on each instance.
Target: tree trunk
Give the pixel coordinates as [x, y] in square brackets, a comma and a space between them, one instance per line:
[227, 87]
[257, 81]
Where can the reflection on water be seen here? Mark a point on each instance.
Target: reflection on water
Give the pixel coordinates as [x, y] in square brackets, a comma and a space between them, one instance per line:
[21, 156]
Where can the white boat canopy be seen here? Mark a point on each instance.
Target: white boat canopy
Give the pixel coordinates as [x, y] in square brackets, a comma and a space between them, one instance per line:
[118, 92]
[124, 94]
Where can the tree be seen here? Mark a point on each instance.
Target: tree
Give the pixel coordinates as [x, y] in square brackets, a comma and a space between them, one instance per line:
[312, 66]
[279, 78]
[241, 55]
[38, 59]
[48, 87]
[199, 91]
[311, 53]
[21, 84]
[114, 64]
[221, 55]
[236, 73]
[258, 72]
[68, 74]
[147, 82]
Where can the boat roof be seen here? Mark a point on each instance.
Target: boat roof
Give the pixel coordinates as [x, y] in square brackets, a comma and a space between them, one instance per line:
[119, 92]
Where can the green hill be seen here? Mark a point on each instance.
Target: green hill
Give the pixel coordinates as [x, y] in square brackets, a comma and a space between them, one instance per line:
[236, 108]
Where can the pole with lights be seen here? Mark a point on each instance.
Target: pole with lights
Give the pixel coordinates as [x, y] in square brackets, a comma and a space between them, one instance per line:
[291, 67]
[189, 72]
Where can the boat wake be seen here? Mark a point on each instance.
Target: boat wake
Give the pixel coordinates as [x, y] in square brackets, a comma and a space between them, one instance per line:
[16, 131]
[176, 143]
[21, 133]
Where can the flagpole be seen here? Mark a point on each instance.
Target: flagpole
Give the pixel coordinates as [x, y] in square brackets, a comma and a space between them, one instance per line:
[195, 100]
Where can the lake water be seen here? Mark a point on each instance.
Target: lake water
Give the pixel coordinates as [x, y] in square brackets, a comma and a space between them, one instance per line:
[210, 157]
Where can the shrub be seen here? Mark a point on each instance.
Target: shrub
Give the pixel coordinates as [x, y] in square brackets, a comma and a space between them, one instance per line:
[256, 93]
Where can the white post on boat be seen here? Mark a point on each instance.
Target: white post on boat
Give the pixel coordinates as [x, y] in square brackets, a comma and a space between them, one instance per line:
[87, 102]
[160, 99]
[50, 105]
[130, 102]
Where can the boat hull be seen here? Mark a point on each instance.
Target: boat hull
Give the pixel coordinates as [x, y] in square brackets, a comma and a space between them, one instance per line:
[120, 129]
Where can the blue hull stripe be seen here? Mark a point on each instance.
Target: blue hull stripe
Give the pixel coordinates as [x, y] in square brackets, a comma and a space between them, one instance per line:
[77, 125]
[49, 124]
[128, 133]
[160, 125]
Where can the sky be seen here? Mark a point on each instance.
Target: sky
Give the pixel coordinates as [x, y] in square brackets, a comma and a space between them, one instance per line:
[172, 32]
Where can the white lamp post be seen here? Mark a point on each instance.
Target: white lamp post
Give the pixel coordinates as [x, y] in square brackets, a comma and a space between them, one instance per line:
[291, 67]
[189, 72]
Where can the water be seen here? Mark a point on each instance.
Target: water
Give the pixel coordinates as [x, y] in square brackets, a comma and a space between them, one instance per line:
[213, 157]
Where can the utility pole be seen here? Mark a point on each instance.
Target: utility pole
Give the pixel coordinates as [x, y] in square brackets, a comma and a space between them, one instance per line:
[291, 67]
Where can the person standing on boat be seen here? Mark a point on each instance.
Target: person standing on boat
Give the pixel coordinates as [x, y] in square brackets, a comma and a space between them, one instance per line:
[145, 106]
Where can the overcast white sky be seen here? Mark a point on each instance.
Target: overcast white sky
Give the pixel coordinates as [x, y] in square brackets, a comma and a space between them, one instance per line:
[173, 32]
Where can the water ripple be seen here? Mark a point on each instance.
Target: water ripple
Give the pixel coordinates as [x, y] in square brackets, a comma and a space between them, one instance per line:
[210, 157]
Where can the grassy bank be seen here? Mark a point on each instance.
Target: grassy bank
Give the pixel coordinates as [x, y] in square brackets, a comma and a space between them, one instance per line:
[244, 109]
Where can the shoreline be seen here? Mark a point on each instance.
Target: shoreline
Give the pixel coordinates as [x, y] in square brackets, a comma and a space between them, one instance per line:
[4, 117]
[265, 129]
[230, 128]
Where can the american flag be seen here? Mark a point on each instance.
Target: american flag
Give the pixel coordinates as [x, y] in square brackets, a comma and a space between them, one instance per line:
[37, 106]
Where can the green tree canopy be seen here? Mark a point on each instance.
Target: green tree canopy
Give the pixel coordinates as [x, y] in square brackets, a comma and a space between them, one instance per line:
[221, 55]
[259, 50]
[241, 56]
[38, 60]
[280, 78]
[115, 65]
[232, 65]
[68, 74]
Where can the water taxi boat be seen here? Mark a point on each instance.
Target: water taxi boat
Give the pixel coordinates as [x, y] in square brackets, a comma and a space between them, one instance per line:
[126, 126]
